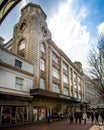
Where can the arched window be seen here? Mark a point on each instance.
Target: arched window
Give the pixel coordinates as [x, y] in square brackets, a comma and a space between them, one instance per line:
[21, 48]
[42, 47]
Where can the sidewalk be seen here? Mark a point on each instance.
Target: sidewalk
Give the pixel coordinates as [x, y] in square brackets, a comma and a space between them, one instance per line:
[56, 125]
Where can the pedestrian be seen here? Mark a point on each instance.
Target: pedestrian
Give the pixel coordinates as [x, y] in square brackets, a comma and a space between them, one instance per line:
[80, 117]
[88, 115]
[92, 116]
[71, 118]
[84, 116]
[50, 118]
[76, 117]
[97, 117]
[102, 115]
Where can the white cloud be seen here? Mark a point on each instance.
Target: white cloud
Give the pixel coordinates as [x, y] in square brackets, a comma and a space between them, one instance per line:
[69, 34]
[83, 12]
[101, 28]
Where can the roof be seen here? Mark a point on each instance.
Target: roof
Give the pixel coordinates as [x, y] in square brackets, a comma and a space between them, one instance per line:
[5, 7]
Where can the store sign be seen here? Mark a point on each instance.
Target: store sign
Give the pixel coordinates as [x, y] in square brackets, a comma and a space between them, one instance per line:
[64, 97]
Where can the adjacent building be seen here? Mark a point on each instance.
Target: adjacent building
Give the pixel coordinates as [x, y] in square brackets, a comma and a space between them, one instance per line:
[16, 80]
[41, 78]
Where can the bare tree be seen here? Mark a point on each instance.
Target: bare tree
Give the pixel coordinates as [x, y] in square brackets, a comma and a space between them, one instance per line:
[96, 60]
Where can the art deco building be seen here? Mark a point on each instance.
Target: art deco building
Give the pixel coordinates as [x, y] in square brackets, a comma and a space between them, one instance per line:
[57, 82]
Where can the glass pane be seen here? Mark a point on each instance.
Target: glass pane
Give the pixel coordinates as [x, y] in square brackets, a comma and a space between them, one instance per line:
[42, 83]
[56, 88]
[42, 48]
[19, 114]
[42, 114]
[42, 65]
[65, 91]
[6, 115]
[22, 45]
[35, 114]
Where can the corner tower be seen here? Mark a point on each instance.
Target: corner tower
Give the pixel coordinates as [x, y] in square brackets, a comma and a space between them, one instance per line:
[28, 33]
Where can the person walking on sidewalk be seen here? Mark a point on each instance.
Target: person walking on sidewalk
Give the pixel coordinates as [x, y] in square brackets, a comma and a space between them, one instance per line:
[76, 117]
[97, 117]
[50, 118]
[84, 115]
[102, 116]
[92, 116]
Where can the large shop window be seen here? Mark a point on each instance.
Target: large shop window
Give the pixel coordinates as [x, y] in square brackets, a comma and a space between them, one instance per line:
[6, 115]
[13, 114]
[39, 113]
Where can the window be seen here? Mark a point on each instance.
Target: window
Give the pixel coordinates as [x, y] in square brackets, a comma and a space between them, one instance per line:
[6, 115]
[23, 27]
[75, 76]
[18, 64]
[79, 79]
[44, 32]
[55, 58]
[42, 65]
[21, 48]
[65, 67]
[79, 96]
[55, 73]
[71, 73]
[42, 48]
[42, 83]
[75, 85]
[19, 83]
[56, 88]
[65, 79]
[66, 91]
[71, 93]
[75, 94]
[79, 87]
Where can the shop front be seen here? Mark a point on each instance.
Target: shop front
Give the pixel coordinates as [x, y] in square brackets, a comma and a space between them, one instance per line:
[13, 114]
[45, 102]
[14, 109]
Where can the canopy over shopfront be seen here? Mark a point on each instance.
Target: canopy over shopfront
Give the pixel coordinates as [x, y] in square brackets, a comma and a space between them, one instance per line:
[5, 7]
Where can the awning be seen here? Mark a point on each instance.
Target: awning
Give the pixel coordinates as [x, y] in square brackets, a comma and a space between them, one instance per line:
[52, 95]
[5, 7]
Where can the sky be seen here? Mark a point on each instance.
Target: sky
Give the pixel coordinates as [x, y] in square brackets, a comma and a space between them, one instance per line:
[74, 24]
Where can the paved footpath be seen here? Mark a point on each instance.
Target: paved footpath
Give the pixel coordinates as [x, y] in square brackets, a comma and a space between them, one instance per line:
[56, 125]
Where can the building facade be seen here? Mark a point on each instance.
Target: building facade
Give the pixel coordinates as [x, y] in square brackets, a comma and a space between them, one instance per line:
[16, 80]
[94, 101]
[58, 84]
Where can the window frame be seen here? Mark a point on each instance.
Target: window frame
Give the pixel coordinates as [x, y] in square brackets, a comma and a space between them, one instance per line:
[18, 64]
[20, 85]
